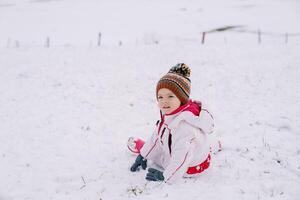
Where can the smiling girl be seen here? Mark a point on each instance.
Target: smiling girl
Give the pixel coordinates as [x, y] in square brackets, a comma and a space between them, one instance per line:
[180, 145]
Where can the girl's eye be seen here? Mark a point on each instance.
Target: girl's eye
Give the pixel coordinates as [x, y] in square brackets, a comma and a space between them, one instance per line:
[160, 97]
[171, 96]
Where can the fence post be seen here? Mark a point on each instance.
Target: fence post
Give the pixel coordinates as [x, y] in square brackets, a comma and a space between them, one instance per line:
[48, 42]
[99, 39]
[286, 37]
[17, 43]
[259, 36]
[203, 37]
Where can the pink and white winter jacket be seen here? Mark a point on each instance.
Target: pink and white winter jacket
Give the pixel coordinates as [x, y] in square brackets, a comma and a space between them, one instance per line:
[181, 141]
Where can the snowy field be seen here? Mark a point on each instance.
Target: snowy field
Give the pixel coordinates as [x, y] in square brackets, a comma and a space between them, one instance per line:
[67, 110]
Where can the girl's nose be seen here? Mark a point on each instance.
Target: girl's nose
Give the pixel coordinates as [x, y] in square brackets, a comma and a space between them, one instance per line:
[162, 102]
[165, 103]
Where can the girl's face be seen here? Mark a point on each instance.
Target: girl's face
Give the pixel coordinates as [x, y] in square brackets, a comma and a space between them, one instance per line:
[167, 101]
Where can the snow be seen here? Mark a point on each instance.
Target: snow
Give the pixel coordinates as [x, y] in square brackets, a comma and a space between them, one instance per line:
[67, 111]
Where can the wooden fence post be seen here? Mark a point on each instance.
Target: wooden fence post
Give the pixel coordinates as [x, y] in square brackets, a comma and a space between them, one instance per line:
[48, 42]
[259, 36]
[203, 37]
[99, 39]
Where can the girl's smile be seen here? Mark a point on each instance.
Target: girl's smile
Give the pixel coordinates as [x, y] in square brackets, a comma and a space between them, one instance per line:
[167, 101]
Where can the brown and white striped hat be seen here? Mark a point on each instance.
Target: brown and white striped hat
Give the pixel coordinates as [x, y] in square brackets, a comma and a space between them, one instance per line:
[177, 80]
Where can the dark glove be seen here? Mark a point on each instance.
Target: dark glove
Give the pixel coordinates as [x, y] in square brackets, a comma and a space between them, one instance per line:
[139, 161]
[154, 175]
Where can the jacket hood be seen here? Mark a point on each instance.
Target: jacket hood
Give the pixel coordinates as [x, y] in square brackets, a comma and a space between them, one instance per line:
[191, 106]
[192, 113]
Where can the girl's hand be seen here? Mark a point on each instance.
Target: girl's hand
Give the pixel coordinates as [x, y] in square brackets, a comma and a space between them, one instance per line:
[139, 162]
[154, 175]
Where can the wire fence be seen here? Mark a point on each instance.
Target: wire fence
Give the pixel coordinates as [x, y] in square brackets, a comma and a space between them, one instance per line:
[206, 36]
[258, 33]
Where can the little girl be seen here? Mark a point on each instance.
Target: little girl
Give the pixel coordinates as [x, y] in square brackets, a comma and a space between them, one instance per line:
[180, 144]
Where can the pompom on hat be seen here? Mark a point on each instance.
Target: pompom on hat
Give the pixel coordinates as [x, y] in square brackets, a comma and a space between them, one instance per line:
[177, 80]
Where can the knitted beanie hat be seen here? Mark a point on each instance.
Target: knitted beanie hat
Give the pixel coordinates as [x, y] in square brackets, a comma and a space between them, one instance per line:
[177, 80]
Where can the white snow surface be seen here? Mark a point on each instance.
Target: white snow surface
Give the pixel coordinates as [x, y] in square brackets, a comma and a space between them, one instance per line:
[67, 110]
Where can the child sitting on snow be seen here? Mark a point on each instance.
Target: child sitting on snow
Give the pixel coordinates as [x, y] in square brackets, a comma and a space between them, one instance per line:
[180, 144]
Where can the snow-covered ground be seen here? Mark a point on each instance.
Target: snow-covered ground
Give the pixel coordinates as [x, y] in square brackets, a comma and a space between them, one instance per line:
[67, 111]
